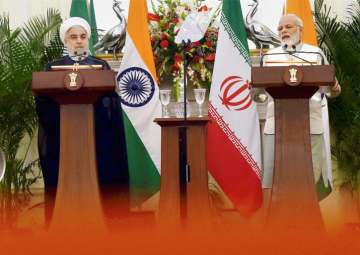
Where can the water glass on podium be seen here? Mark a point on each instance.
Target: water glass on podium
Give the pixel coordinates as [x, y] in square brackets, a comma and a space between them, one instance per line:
[200, 98]
[165, 95]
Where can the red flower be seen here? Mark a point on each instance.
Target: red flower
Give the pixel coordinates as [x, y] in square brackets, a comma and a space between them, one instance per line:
[208, 43]
[164, 43]
[196, 59]
[175, 20]
[210, 57]
[203, 8]
[178, 58]
[177, 62]
[153, 17]
[164, 36]
[195, 44]
[175, 67]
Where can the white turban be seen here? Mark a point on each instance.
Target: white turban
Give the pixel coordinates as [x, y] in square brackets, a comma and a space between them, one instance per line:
[72, 22]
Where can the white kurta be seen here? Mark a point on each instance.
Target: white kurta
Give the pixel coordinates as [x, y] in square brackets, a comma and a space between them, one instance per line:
[316, 126]
[316, 103]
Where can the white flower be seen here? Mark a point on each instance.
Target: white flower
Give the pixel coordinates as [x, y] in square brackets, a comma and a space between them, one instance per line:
[180, 10]
[191, 4]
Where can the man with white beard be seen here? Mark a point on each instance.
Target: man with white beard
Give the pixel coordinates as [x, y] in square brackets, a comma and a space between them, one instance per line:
[294, 52]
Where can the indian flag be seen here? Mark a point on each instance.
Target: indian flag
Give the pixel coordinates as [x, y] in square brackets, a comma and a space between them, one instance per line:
[234, 152]
[139, 92]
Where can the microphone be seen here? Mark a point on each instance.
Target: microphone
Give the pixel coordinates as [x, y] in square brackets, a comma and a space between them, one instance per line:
[291, 53]
[80, 54]
[271, 54]
[309, 52]
[286, 48]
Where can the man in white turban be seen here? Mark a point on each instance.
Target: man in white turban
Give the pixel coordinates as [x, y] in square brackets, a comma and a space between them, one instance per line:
[109, 131]
[75, 33]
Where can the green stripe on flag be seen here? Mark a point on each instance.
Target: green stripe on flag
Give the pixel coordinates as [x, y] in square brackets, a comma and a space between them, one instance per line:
[94, 32]
[232, 20]
[79, 9]
[144, 176]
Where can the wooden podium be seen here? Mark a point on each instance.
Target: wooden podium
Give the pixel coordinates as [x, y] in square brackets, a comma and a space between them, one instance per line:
[77, 199]
[189, 205]
[294, 202]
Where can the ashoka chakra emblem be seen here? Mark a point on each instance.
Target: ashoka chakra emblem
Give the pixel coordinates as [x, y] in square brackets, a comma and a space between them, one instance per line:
[136, 86]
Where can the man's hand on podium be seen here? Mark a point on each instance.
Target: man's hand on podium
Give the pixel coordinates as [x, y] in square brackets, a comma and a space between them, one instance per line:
[335, 90]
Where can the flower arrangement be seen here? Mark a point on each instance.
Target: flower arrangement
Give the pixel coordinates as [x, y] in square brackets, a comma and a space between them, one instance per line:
[169, 57]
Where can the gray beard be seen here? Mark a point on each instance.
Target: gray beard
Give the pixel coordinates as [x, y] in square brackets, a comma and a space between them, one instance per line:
[292, 41]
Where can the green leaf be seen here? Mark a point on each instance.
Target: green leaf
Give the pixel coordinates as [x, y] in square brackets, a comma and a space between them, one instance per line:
[23, 50]
[341, 44]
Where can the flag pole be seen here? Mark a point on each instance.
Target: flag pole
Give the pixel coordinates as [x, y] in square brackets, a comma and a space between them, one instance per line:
[183, 162]
[185, 45]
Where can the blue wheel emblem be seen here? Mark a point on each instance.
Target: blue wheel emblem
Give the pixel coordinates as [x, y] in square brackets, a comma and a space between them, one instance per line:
[136, 86]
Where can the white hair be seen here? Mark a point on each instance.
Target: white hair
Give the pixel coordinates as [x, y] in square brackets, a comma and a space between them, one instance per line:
[298, 20]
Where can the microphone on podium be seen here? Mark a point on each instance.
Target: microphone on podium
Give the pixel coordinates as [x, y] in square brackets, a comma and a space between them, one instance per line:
[291, 50]
[80, 54]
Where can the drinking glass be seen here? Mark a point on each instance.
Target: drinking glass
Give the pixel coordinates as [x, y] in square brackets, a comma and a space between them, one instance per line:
[165, 95]
[200, 98]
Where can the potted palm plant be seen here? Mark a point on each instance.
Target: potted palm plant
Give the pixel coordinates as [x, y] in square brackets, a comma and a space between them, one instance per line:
[22, 51]
[341, 43]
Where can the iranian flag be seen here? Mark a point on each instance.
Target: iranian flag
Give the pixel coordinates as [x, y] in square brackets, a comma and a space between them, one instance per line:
[234, 152]
[139, 92]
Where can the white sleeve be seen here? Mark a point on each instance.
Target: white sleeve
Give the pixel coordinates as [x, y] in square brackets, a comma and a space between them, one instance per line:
[326, 62]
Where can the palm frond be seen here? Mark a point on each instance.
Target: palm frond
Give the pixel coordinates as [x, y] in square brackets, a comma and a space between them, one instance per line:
[41, 29]
[341, 43]
[353, 26]
[22, 51]
[54, 49]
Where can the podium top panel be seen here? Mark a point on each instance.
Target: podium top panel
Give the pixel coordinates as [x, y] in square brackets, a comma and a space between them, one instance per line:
[53, 81]
[74, 87]
[273, 76]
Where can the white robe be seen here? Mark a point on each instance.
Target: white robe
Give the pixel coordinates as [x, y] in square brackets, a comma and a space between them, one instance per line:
[319, 120]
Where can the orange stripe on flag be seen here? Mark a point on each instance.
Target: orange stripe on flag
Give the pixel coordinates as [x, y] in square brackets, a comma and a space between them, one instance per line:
[302, 9]
[138, 28]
